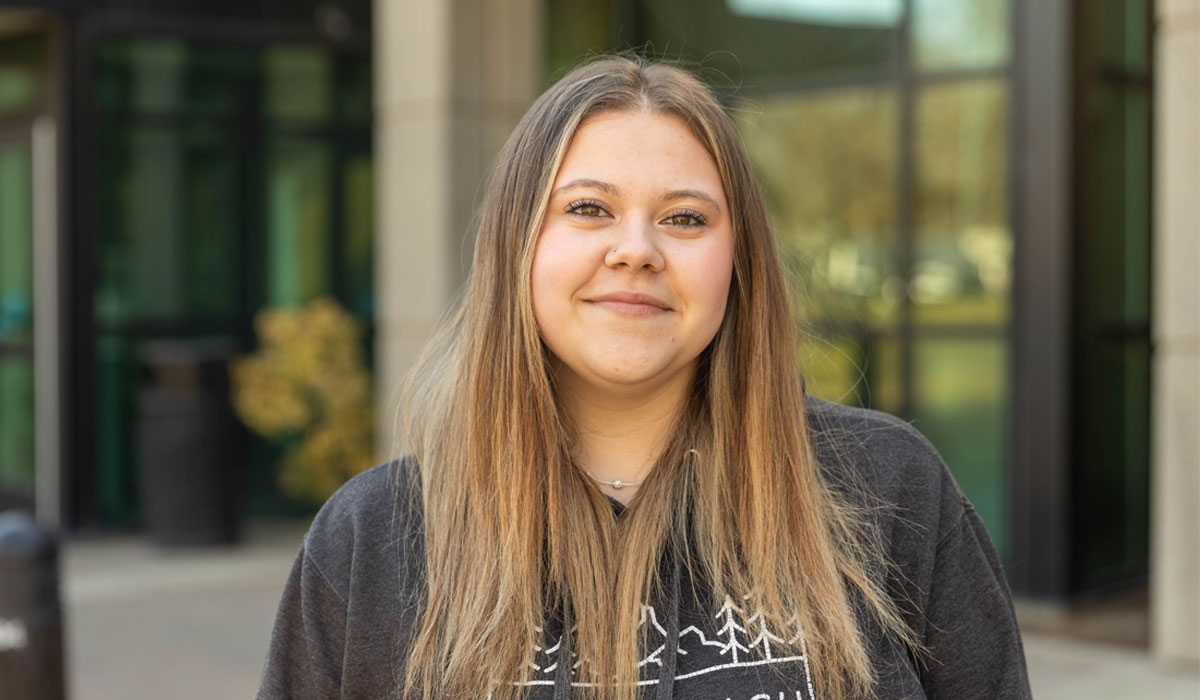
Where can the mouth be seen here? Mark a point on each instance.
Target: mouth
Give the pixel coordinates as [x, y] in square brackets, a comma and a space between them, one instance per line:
[630, 303]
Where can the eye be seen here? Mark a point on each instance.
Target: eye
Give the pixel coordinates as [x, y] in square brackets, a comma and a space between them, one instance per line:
[688, 218]
[588, 208]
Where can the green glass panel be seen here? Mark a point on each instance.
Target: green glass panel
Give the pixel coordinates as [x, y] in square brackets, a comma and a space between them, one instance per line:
[754, 45]
[168, 244]
[16, 424]
[1116, 33]
[857, 371]
[22, 74]
[577, 30]
[355, 100]
[957, 34]
[211, 264]
[962, 267]
[1113, 477]
[229, 178]
[1115, 230]
[142, 249]
[18, 89]
[117, 463]
[832, 367]
[827, 165]
[960, 403]
[16, 240]
[358, 240]
[156, 74]
[299, 191]
[298, 83]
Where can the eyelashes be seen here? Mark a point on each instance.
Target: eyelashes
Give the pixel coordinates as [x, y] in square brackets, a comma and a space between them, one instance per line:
[587, 208]
[592, 209]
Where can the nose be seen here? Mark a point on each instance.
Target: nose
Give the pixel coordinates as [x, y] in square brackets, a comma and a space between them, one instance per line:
[635, 247]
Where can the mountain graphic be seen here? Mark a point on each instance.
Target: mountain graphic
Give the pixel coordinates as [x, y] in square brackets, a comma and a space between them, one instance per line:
[730, 640]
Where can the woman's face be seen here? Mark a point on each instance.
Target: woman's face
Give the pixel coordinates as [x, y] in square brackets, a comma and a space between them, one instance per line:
[632, 267]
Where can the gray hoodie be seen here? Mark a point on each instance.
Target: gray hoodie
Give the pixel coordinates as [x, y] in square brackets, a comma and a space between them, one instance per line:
[348, 606]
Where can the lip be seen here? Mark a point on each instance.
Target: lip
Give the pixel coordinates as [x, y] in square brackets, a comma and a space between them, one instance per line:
[631, 303]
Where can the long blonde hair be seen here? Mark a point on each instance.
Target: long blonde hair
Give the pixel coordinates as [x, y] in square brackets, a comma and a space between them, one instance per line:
[513, 529]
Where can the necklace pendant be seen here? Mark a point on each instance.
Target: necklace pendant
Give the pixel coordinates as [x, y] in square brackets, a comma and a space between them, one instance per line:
[618, 484]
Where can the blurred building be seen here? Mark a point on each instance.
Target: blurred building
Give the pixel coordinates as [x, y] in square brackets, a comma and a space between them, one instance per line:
[989, 208]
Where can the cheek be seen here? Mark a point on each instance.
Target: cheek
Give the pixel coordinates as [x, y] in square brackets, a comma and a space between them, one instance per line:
[710, 279]
[554, 277]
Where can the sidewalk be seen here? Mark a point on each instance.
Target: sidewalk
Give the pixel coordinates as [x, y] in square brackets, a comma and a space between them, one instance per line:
[193, 625]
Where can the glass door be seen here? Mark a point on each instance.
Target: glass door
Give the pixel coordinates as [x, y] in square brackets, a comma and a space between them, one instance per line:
[16, 320]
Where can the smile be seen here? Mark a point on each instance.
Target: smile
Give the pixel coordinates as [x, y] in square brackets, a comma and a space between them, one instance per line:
[630, 304]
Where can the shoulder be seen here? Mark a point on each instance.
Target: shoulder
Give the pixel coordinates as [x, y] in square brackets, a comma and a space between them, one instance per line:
[879, 459]
[368, 527]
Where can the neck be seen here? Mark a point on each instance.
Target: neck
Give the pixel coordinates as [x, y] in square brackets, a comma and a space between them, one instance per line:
[622, 431]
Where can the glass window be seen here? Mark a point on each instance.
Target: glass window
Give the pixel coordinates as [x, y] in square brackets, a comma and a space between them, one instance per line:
[358, 243]
[229, 178]
[962, 264]
[960, 402]
[860, 370]
[748, 44]
[16, 252]
[16, 319]
[298, 83]
[16, 423]
[299, 191]
[22, 80]
[826, 161]
[169, 207]
[959, 34]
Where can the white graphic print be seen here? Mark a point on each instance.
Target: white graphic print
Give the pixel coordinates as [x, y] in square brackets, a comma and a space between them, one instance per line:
[726, 647]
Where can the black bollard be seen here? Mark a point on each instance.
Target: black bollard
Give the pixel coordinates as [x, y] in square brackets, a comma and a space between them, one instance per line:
[31, 631]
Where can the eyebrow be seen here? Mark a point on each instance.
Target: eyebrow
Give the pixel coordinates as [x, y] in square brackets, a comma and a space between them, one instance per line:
[611, 189]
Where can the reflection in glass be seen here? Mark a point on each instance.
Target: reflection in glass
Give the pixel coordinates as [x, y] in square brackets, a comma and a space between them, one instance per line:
[22, 74]
[16, 318]
[753, 51]
[298, 195]
[358, 240]
[827, 164]
[16, 423]
[829, 12]
[229, 177]
[957, 34]
[962, 264]
[16, 261]
[960, 403]
[863, 370]
[298, 82]
[168, 224]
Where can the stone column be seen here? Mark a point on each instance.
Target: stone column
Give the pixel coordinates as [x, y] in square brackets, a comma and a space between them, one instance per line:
[1175, 568]
[452, 77]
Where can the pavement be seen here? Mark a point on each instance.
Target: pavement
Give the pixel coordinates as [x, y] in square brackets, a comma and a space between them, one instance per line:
[193, 624]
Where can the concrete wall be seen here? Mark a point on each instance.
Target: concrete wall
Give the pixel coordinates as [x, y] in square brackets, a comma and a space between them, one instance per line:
[452, 77]
[1175, 538]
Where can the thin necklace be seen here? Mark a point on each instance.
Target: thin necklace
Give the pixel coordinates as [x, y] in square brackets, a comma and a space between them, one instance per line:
[617, 484]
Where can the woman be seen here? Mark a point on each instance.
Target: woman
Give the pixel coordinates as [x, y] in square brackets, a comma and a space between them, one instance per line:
[618, 488]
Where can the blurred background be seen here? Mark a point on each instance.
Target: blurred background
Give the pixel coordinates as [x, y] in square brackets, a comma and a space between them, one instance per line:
[226, 228]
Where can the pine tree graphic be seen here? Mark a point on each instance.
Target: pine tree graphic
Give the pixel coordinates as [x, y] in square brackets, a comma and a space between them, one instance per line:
[655, 632]
[765, 637]
[731, 614]
[546, 659]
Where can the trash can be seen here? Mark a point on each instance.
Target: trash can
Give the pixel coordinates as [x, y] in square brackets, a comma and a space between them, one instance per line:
[31, 630]
[189, 443]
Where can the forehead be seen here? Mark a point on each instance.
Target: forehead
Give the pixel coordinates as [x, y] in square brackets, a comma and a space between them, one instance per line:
[641, 149]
